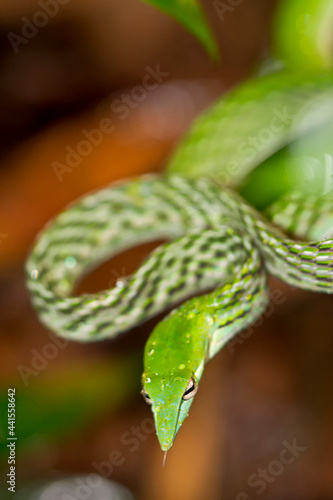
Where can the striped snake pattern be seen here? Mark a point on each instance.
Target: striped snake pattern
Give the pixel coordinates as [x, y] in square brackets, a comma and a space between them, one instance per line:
[216, 242]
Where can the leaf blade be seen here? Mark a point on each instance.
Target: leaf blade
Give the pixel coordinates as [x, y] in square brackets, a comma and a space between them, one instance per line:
[190, 14]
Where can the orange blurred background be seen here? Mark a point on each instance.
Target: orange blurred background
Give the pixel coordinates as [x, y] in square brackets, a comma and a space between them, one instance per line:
[256, 395]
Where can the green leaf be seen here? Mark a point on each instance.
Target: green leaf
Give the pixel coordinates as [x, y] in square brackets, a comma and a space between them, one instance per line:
[190, 14]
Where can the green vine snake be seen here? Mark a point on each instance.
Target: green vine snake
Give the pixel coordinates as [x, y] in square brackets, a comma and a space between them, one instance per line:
[220, 249]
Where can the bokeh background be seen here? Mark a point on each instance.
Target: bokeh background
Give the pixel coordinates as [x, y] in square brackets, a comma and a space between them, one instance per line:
[79, 410]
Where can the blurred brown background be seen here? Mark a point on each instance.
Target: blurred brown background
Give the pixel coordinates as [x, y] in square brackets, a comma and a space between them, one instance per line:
[257, 397]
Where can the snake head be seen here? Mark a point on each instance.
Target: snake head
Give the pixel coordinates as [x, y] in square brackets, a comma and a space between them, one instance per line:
[170, 398]
[174, 359]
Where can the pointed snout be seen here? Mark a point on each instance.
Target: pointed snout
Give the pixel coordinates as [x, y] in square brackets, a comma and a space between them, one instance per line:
[166, 423]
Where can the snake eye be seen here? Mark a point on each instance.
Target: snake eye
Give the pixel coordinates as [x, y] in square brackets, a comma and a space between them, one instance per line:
[146, 397]
[190, 390]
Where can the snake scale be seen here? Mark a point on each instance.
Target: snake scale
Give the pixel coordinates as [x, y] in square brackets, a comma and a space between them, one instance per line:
[217, 242]
[212, 272]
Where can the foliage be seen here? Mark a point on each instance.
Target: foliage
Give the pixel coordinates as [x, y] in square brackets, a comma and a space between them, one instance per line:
[190, 14]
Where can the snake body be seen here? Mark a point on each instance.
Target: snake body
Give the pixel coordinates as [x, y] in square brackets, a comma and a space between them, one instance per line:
[220, 250]
[217, 242]
[217, 235]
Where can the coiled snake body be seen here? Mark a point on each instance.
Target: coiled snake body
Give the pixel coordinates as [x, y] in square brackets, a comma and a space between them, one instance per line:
[220, 249]
[218, 242]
